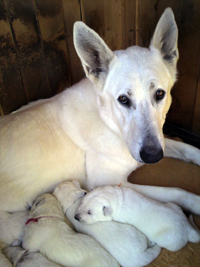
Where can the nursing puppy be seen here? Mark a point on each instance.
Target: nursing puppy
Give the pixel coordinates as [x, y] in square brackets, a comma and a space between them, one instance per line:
[12, 226]
[22, 258]
[47, 232]
[4, 262]
[164, 224]
[129, 246]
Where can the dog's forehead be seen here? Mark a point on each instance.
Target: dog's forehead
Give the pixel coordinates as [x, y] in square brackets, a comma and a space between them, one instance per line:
[138, 67]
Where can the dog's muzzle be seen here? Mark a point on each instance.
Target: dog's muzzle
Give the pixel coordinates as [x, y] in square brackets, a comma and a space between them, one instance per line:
[151, 156]
[151, 150]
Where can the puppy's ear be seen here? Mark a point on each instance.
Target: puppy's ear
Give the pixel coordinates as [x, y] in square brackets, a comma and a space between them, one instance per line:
[107, 211]
[76, 183]
[93, 52]
[165, 37]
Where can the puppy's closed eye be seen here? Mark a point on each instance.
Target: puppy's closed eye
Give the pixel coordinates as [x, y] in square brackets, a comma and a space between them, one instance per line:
[39, 202]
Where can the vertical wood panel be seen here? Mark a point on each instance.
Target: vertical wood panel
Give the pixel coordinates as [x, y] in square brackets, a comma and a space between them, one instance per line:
[128, 23]
[12, 94]
[22, 17]
[149, 12]
[105, 17]
[72, 13]
[196, 115]
[51, 21]
[185, 91]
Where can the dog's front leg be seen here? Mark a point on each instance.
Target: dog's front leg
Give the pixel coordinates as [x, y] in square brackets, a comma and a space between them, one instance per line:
[184, 199]
[179, 150]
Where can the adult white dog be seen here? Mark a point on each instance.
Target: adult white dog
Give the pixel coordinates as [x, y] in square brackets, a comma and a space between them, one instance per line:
[128, 246]
[101, 129]
[47, 232]
[165, 224]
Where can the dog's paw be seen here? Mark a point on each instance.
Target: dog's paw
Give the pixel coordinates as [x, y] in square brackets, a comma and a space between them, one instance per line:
[192, 203]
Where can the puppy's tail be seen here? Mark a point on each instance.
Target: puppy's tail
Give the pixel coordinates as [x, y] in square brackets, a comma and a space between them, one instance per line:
[193, 231]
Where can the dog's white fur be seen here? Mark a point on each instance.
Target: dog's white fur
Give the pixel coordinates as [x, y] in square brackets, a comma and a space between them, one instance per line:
[85, 133]
[12, 226]
[58, 242]
[22, 258]
[127, 245]
[165, 224]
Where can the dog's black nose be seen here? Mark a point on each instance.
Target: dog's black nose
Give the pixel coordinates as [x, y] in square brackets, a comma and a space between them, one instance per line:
[151, 155]
[76, 217]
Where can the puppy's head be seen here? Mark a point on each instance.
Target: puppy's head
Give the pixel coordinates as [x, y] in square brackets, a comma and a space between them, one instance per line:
[46, 205]
[68, 192]
[15, 254]
[95, 206]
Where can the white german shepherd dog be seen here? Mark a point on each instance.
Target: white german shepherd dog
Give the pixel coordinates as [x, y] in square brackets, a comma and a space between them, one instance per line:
[102, 128]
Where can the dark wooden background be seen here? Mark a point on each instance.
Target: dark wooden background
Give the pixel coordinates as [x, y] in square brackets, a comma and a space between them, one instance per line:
[38, 59]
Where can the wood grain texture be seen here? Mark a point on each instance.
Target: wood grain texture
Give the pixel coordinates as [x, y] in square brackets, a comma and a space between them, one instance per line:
[72, 13]
[24, 27]
[52, 28]
[12, 94]
[185, 92]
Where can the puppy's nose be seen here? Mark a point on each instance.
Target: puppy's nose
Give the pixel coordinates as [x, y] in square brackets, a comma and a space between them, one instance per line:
[77, 217]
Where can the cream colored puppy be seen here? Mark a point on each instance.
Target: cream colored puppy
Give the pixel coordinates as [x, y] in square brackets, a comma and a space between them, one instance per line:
[47, 232]
[22, 258]
[12, 225]
[164, 224]
[4, 262]
[129, 246]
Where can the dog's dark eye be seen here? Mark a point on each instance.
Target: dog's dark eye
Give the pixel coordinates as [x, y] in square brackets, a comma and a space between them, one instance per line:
[160, 94]
[124, 100]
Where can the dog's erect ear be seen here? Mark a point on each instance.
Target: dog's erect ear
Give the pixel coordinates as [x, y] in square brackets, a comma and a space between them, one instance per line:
[93, 52]
[107, 211]
[165, 37]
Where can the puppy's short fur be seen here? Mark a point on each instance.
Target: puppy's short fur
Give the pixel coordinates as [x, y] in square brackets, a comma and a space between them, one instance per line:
[124, 242]
[47, 232]
[11, 225]
[22, 258]
[164, 224]
[4, 262]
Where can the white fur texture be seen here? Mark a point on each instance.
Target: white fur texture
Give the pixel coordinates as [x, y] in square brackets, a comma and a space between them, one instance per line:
[85, 133]
[22, 258]
[12, 225]
[129, 246]
[4, 262]
[164, 224]
[58, 242]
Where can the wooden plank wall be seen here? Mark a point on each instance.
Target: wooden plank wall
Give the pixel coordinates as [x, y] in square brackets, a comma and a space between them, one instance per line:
[38, 58]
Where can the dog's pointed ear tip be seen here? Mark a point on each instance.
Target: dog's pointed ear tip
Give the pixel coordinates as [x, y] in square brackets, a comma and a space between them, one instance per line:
[168, 14]
[168, 11]
[79, 25]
